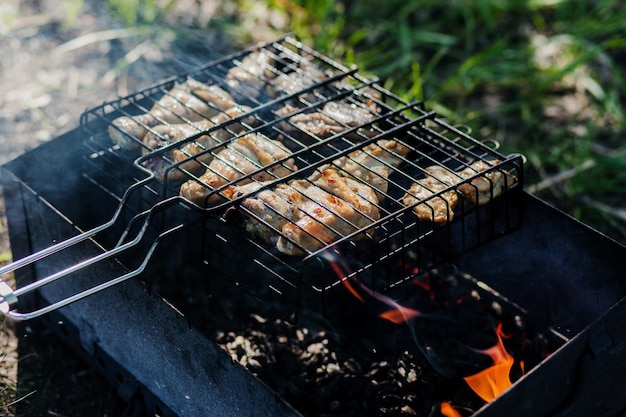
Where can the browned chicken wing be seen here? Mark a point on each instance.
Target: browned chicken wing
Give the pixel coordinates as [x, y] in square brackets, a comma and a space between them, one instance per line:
[239, 158]
[479, 190]
[435, 209]
[373, 164]
[275, 207]
[305, 215]
[296, 81]
[249, 78]
[164, 135]
[190, 101]
[329, 208]
[486, 187]
[332, 119]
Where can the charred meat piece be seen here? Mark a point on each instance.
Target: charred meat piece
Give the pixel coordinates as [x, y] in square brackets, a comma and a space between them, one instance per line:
[317, 124]
[307, 76]
[373, 164]
[164, 135]
[265, 213]
[230, 127]
[479, 190]
[436, 209]
[350, 114]
[214, 95]
[249, 78]
[243, 156]
[332, 119]
[328, 208]
[190, 101]
[486, 187]
[304, 215]
[127, 132]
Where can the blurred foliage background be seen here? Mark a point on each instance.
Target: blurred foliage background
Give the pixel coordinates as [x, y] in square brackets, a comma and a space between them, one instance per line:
[542, 77]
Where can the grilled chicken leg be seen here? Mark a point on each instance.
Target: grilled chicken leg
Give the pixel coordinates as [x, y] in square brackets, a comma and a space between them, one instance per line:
[306, 214]
[373, 164]
[239, 158]
[479, 190]
[486, 187]
[437, 209]
[334, 118]
[329, 208]
[190, 101]
[164, 135]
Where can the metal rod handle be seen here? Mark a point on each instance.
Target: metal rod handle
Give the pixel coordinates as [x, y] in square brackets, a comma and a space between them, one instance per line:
[75, 297]
[9, 298]
[64, 244]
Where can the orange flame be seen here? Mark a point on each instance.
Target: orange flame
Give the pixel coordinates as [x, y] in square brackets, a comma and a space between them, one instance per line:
[337, 268]
[447, 410]
[493, 381]
[398, 314]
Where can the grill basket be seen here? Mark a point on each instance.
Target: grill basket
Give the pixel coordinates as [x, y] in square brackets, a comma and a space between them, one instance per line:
[291, 84]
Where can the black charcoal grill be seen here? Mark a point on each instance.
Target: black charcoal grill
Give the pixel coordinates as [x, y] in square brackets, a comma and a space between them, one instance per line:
[116, 211]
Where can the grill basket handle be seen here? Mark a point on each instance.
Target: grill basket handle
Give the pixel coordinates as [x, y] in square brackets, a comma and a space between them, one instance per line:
[9, 297]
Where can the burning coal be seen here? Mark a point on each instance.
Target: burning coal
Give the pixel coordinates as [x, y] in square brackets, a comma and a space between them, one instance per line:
[456, 324]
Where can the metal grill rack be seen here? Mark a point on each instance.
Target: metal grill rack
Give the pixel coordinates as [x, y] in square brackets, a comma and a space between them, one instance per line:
[145, 180]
